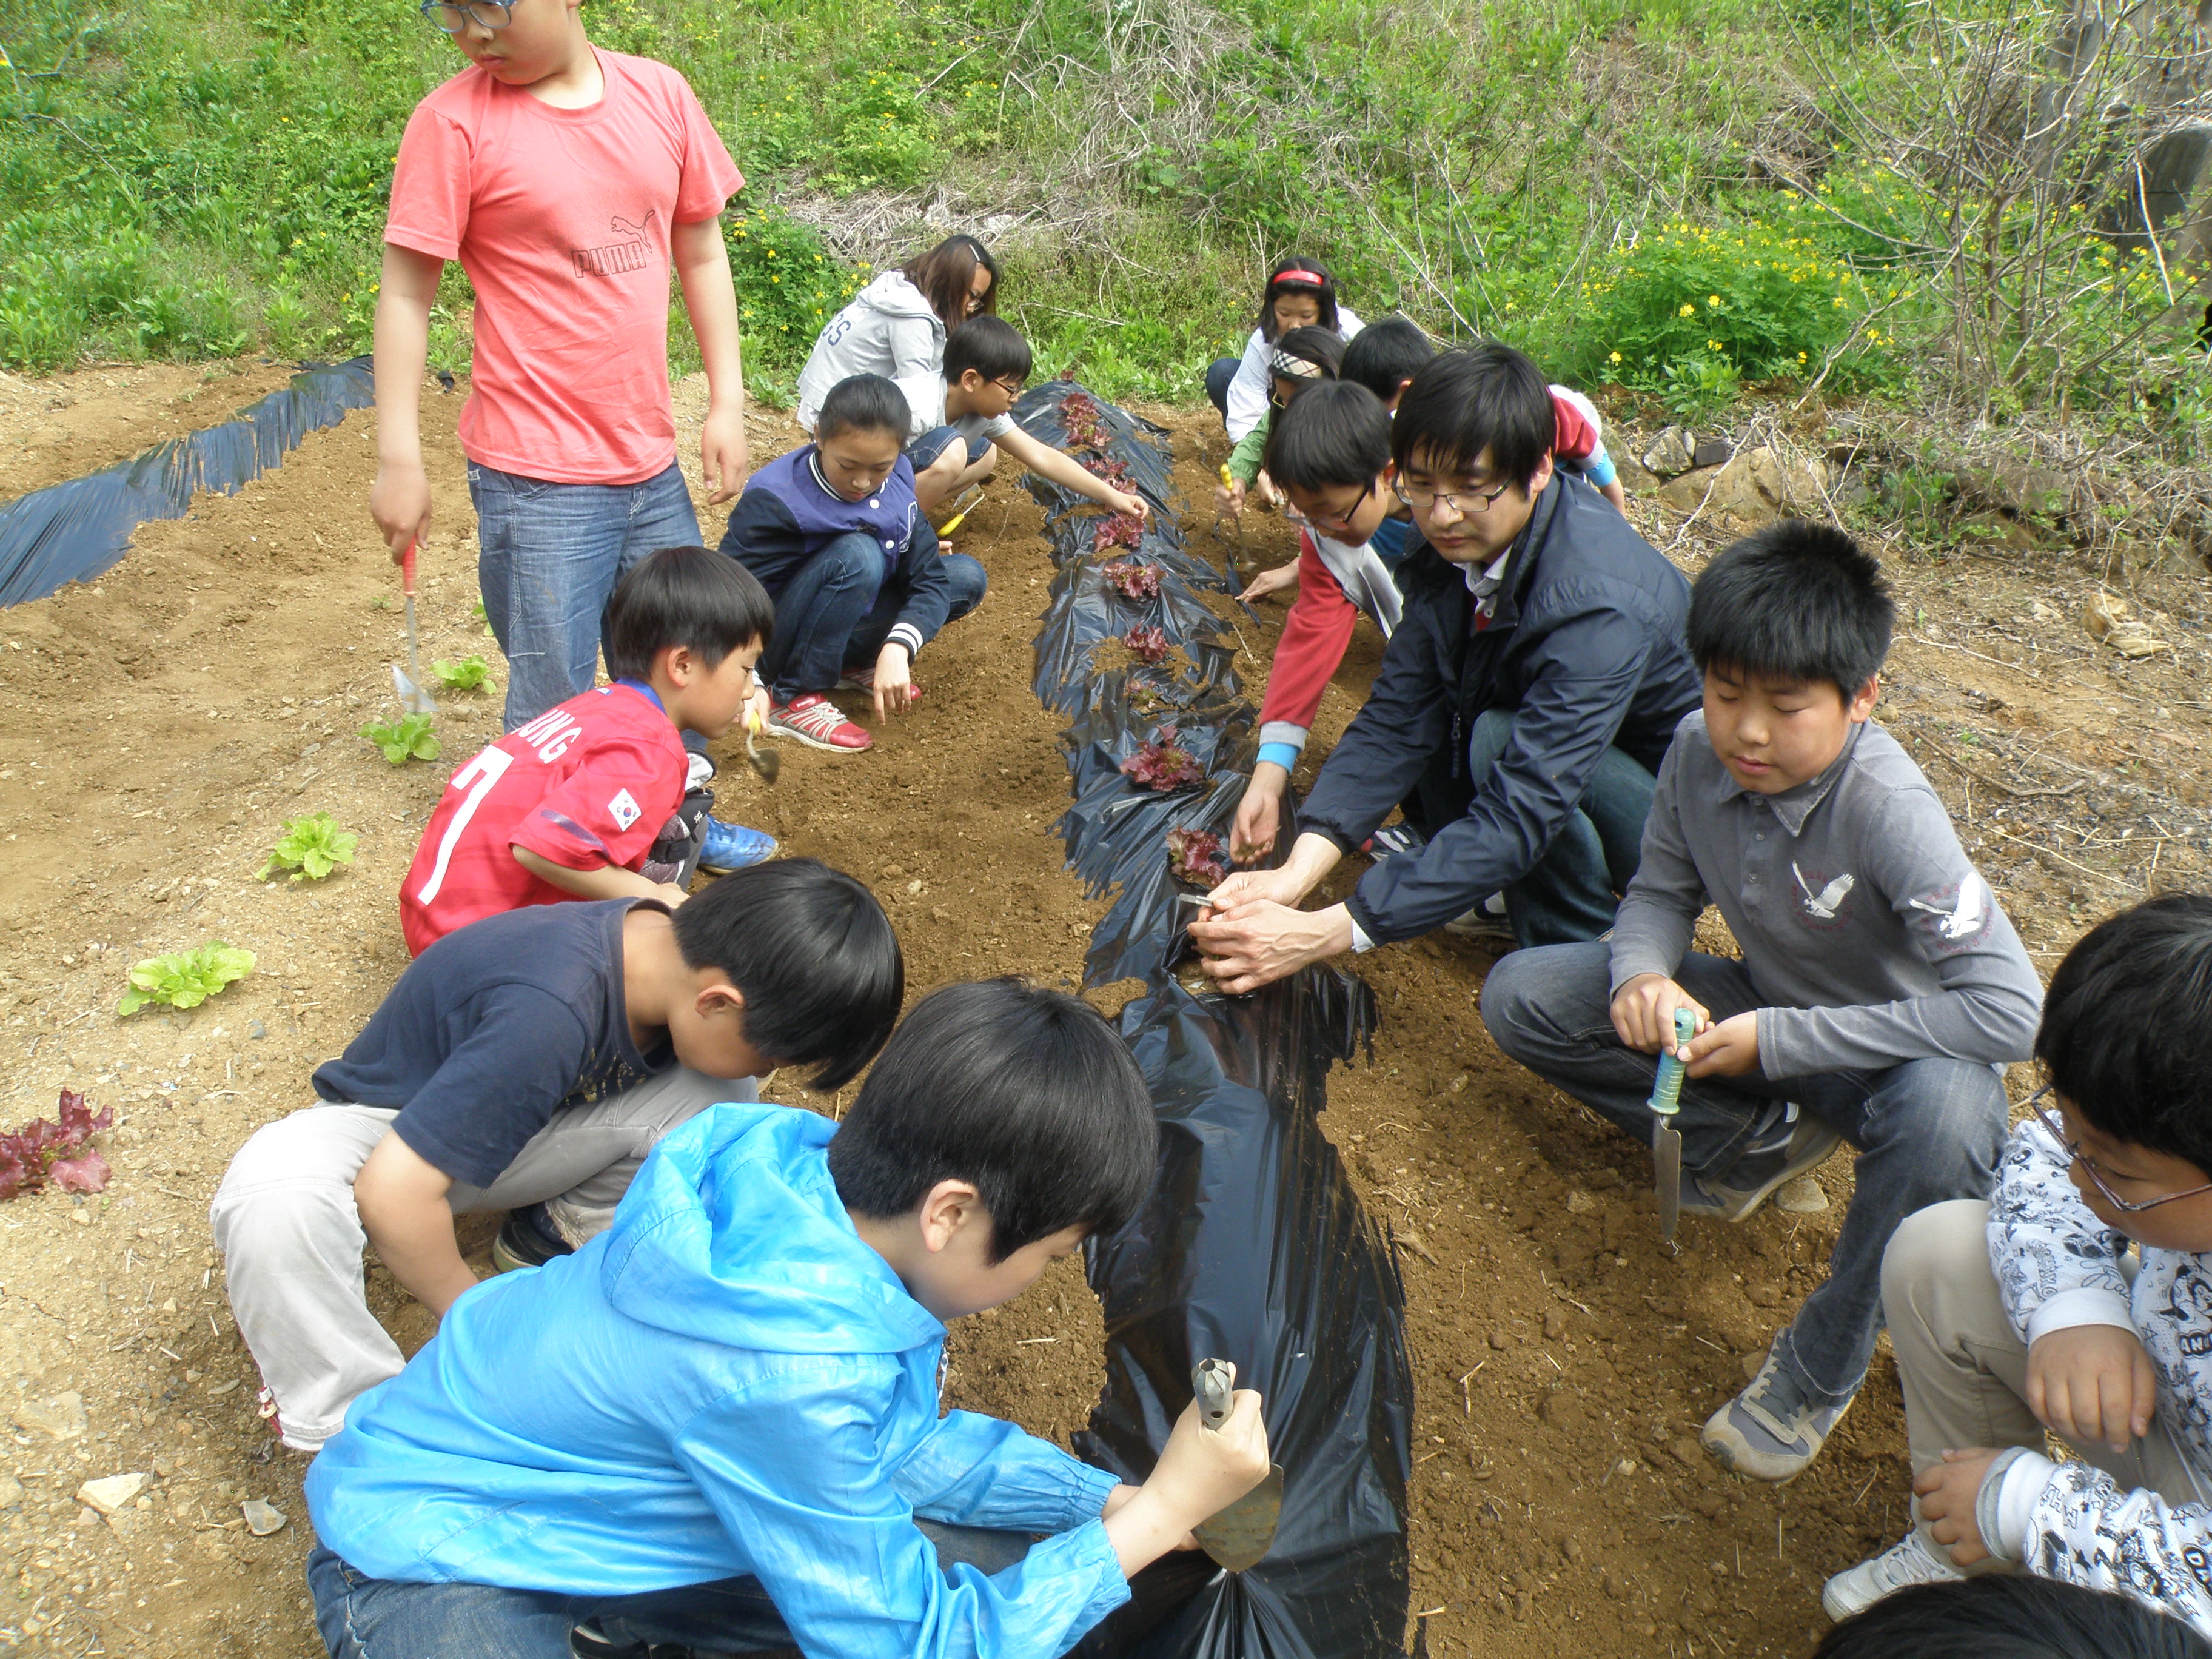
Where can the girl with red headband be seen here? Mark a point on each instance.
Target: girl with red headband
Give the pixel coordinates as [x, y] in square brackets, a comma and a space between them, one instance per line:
[1300, 293]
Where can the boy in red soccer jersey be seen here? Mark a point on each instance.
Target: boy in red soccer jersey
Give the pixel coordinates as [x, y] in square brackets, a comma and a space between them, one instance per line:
[567, 806]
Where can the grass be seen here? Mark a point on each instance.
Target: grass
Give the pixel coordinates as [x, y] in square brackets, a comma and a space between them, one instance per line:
[183, 179]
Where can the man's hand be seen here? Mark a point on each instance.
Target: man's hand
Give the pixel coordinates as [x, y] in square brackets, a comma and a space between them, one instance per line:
[1727, 1049]
[1643, 1013]
[724, 459]
[1259, 815]
[1259, 941]
[894, 680]
[2093, 1382]
[1271, 581]
[1135, 506]
[1265, 886]
[1947, 1493]
[399, 501]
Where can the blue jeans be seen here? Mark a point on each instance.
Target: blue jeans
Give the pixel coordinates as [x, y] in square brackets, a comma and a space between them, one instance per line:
[548, 556]
[1220, 374]
[922, 451]
[835, 609]
[1926, 1130]
[365, 1618]
[1569, 895]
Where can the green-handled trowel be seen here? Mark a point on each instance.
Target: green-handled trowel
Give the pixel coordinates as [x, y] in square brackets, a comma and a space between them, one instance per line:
[1666, 1139]
[1239, 1535]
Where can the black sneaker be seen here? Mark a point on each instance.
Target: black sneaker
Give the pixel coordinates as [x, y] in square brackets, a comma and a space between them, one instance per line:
[527, 1238]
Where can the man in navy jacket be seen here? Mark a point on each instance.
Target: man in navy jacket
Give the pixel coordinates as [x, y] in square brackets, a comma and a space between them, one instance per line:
[1522, 710]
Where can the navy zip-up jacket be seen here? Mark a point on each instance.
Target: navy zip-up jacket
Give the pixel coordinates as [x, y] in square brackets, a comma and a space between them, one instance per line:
[1585, 646]
[786, 515]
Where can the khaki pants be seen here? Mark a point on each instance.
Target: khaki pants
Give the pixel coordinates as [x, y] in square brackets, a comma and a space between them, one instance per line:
[292, 1240]
[1965, 1369]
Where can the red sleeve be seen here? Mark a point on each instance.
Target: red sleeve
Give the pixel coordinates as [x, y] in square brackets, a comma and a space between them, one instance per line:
[607, 811]
[1315, 635]
[710, 177]
[429, 211]
[1573, 437]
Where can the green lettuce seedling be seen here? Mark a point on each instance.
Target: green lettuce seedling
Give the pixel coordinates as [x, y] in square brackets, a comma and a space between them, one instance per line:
[311, 848]
[467, 675]
[186, 979]
[409, 738]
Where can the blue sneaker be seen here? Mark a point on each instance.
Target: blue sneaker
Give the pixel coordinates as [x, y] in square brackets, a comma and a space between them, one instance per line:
[733, 847]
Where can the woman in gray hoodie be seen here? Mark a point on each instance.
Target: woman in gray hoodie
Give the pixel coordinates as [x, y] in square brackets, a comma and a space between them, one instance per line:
[896, 327]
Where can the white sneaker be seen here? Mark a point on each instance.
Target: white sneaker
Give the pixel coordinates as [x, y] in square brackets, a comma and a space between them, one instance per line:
[1899, 1567]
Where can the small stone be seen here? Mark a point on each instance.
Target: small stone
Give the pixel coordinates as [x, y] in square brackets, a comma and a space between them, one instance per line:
[1497, 1341]
[163, 1468]
[11, 1491]
[1803, 1196]
[1671, 452]
[256, 1030]
[913, 887]
[1580, 1202]
[170, 1306]
[1764, 1294]
[1555, 1325]
[1712, 452]
[1459, 1083]
[894, 873]
[61, 1418]
[1626, 1466]
[111, 1494]
[1561, 1410]
[261, 1518]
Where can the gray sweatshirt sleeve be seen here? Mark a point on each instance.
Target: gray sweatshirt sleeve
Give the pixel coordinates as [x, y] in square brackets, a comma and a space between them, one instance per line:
[917, 347]
[1659, 916]
[1991, 998]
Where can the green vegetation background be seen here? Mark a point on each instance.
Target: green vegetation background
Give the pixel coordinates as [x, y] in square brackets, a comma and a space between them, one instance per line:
[194, 178]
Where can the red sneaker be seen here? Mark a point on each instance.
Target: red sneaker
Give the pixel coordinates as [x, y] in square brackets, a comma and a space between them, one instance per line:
[816, 722]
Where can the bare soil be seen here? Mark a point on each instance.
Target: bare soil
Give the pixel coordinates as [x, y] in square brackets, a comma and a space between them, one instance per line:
[165, 721]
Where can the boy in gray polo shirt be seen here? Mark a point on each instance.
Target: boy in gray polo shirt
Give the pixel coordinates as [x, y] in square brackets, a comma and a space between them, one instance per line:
[1881, 991]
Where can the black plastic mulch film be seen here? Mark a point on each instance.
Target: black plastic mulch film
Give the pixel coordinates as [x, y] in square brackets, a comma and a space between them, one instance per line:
[1252, 1246]
[71, 532]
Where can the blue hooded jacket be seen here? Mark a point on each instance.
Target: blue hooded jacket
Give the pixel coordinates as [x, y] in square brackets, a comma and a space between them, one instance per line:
[728, 1381]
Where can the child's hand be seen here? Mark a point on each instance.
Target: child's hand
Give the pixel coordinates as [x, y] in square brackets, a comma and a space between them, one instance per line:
[1643, 1013]
[399, 501]
[1229, 497]
[1135, 506]
[1947, 1493]
[724, 457]
[757, 706]
[2093, 1382]
[1259, 813]
[1203, 1471]
[1727, 1049]
[1271, 581]
[894, 680]
[1264, 486]
[1274, 886]
[1614, 493]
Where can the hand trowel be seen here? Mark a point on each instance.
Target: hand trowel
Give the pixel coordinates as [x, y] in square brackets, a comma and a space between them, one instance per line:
[1238, 1536]
[1666, 1139]
[408, 686]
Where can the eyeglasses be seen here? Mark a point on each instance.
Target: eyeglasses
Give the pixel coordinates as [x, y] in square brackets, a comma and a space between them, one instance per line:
[454, 19]
[2072, 1151]
[1464, 501]
[1010, 385]
[1322, 522]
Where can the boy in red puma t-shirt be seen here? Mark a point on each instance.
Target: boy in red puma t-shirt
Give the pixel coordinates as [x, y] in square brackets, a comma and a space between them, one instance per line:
[568, 806]
[567, 182]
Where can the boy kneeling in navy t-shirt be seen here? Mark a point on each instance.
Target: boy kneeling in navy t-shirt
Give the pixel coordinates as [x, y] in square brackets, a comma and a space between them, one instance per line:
[834, 533]
[528, 1063]
[717, 1424]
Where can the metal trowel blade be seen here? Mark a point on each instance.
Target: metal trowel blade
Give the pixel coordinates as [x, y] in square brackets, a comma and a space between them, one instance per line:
[1667, 1162]
[1241, 1535]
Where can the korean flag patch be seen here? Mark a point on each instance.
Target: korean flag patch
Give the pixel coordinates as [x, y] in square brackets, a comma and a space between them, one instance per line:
[624, 810]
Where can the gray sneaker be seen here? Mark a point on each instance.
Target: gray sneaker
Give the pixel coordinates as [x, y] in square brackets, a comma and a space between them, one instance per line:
[1797, 1144]
[1771, 1431]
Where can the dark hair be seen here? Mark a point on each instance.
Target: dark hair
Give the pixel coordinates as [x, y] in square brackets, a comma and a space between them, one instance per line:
[863, 402]
[1321, 347]
[945, 273]
[2010, 1616]
[1025, 1092]
[1333, 433]
[991, 346]
[684, 595]
[1795, 600]
[814, 955]
[1296, 275]
[2127, 1027]
[1481, 397]
[1385, 355]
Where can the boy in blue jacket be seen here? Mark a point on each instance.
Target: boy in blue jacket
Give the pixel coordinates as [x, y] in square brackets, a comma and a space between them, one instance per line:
[835, 534]
[718, 1423]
